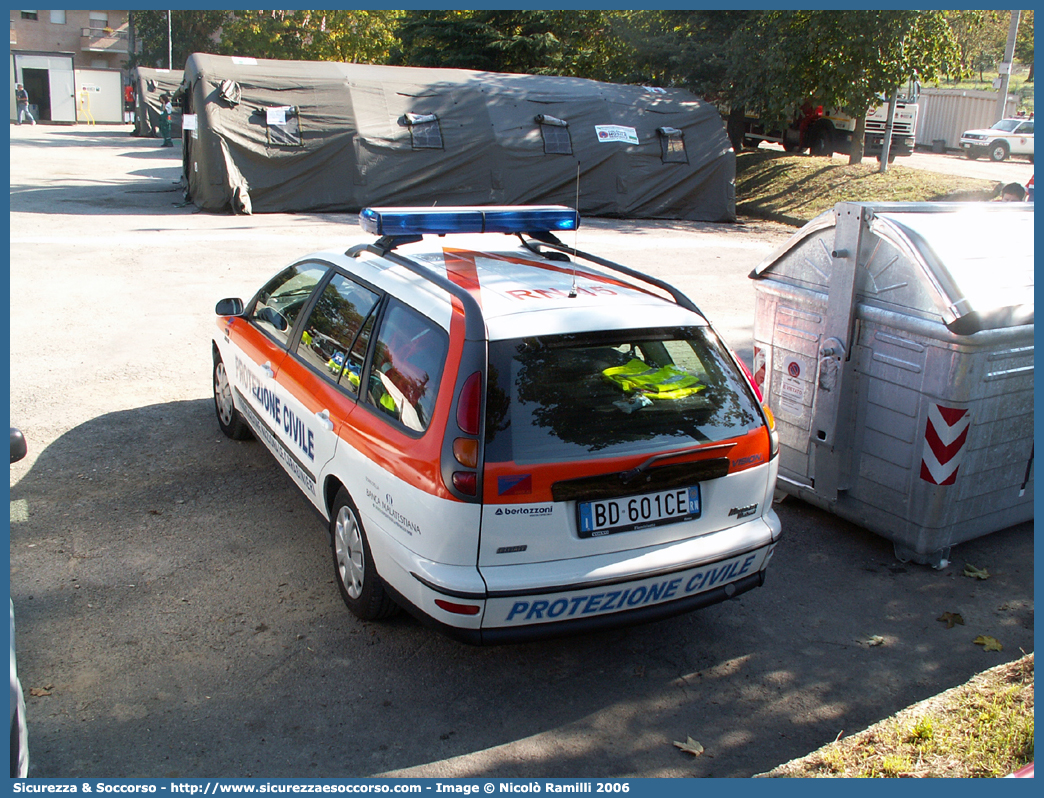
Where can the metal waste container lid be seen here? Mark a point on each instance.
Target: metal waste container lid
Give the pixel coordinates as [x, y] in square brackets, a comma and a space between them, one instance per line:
[974, 259]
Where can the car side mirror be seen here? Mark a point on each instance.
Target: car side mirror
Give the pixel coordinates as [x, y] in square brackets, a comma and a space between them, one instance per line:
[229, 307]
[18, 447]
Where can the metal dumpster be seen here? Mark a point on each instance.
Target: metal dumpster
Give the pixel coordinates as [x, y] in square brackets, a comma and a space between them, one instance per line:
[894, 344]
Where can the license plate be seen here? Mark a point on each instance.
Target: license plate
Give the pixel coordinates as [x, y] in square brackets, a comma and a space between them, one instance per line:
[628, 513]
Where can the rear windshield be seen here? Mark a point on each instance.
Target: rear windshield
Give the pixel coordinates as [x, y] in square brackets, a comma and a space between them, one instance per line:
[621, 392]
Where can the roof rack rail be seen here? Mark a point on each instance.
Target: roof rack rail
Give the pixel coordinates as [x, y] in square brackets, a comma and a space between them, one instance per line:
[550, 240]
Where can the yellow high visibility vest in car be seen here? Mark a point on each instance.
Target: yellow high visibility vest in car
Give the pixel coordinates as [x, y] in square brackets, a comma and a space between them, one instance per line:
[668, 382]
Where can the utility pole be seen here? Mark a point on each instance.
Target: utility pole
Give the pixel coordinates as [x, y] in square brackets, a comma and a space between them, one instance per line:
[886, 145]
[170, 45]
[1005, 67]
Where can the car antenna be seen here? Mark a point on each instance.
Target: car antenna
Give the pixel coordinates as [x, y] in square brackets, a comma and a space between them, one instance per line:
[576, 231]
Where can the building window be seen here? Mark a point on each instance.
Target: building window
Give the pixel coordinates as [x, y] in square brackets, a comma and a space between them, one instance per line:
[425, 133]
[555, 133]
[57, 17]
[672, 145]
[33, 15]
[99, 20]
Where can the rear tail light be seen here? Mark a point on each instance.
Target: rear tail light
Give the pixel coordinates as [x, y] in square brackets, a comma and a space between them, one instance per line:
[466, 482]
[469, 404]
[466, 450]
[457, 609]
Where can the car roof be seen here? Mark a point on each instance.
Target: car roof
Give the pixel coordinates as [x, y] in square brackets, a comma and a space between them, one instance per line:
[519, 292]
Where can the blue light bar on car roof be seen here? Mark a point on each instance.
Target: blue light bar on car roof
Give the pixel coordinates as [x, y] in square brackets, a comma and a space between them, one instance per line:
[440, 221]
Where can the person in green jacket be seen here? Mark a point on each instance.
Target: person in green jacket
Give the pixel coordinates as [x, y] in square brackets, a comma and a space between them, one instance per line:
[166, 112]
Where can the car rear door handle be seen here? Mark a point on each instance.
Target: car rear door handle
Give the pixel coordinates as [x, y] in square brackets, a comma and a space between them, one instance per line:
[266, 370]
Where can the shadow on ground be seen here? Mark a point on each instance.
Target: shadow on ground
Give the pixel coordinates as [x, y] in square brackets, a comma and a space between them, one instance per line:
[175, 598]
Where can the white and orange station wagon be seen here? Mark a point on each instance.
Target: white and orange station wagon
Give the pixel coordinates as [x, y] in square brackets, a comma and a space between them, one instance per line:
[509, 438]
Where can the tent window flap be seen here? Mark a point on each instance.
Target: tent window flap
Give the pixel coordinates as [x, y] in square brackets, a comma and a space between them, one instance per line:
[672, 145]
[425, 133]
[555, 133]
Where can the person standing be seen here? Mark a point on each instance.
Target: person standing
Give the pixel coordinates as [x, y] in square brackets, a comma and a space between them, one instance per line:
[165, 118]
[22, 101]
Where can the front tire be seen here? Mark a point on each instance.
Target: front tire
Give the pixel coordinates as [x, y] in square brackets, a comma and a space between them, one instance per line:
[361, 588]
[998, 151]
[229, 419]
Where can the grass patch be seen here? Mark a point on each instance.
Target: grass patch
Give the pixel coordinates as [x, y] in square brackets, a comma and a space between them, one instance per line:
[797, 188]
[983, 728]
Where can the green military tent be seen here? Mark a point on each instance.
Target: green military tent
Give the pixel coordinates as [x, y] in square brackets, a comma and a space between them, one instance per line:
[289, 136]
[148, 85]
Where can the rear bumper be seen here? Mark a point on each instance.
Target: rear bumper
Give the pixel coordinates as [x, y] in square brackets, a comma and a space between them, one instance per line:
[568, 597]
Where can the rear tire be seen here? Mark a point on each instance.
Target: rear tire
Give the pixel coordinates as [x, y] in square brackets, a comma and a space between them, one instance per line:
[822, 143]
[361, 587]
[229, 419]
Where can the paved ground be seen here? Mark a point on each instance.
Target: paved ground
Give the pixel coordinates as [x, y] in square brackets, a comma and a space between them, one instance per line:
[1013, 170]
[177, 614]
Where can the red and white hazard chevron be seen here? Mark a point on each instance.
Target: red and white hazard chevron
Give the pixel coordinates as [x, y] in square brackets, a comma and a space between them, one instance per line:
[944, 437]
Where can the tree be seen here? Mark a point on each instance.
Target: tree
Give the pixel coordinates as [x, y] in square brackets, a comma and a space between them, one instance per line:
[837, 59]
[980, 38]
[532, 42]
[337, 35]
[1024, 42]
[689, 49]
[190, 32]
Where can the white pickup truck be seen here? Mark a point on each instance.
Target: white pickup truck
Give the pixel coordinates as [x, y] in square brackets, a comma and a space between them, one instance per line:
[1007, 137]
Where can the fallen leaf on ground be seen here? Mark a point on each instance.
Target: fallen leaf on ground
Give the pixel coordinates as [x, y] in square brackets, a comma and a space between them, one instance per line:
[950, 618]
[38, 692]
[876, 640]
[975, 573]
[988, 643]
[690, 746]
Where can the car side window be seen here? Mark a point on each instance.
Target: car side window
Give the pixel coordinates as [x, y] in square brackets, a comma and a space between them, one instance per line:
[280, 302]
[408, 360]
[332, 327]
[1026, 129]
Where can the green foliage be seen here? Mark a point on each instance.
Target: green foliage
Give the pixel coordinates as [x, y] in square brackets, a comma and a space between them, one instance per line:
[190, 32]
[979, 36]
[337, 35]
[691, 49]
[530, 42]
[923, 731]
[1024, 41]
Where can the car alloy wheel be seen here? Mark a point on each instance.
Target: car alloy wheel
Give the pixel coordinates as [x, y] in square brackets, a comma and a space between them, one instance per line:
[351, 560]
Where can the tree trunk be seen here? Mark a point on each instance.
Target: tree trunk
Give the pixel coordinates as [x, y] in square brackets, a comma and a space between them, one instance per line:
[735, 127]
[855, 154]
